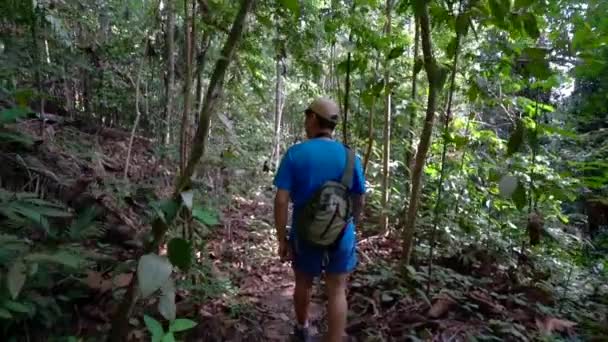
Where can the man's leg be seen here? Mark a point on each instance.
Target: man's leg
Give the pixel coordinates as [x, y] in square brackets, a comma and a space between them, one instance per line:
[301, 297]
[337, 306]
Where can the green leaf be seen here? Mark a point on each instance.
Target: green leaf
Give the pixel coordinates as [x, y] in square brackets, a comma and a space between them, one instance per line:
[5, 314]
[166, 303]
[182, 324]
[521, 4]
[462, 24]
[23, 96]
[205, 217]
[153, 271]
[291, 5]
[516, 139]
[16, 137]
[497, 9]
[62, 258]
[395, 52]
[531, 26]
[180, 253]
[154, 327]
[418, 65]
[168, 337]
[166, 209]
[16, 306]
[451, 48]
[519, 196]
[16, 278]
[442, 72]
[11, 114]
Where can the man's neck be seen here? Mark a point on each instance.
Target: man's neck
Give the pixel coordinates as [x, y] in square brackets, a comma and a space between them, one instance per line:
[323, 134]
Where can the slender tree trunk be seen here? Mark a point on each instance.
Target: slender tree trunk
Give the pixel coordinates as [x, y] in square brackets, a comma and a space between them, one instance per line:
[189, 34]
[370, 136]
[430, 66]
[370, 124]
[36, 66]
[120, 323]
[136, 84]
[170, 80]
[347, 82]
[442, 172]
[278, 112]
[387, 130]
[201, 64]
[412, 109]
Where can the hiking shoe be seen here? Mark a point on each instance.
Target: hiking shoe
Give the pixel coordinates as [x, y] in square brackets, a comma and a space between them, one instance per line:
[300, 334]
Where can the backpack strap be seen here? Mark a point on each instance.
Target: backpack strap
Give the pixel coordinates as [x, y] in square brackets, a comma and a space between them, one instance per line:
[347, 176]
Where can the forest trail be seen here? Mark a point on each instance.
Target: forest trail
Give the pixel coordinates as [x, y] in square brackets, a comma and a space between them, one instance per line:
[246, 246]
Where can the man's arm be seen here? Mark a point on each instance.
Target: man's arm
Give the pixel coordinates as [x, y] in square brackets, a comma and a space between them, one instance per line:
[281, 211]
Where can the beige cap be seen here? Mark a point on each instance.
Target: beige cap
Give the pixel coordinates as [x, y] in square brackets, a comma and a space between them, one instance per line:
[325, 108]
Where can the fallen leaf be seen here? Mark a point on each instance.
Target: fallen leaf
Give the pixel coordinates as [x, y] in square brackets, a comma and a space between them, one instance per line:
[550, 324]
[441, 307]
[123, 280]
[94, 280]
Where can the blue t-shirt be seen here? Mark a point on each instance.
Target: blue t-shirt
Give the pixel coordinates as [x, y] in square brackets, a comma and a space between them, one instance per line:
[307, 165]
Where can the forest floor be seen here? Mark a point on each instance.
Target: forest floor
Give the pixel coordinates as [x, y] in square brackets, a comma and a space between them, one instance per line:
[246, 292]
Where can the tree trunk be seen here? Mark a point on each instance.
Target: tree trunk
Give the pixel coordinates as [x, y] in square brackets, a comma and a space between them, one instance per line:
[387, 131]
[347, 82]
[170, 80]
[136, 84]
[442, 172]
[120, 323]
[278, 111]
[430, 66]
[370, 124]
[189, 35]
[412, 109]
[201, 64]
[36, 66]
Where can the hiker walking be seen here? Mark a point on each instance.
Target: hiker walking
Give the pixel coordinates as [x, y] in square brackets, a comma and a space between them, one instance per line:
[324, 180]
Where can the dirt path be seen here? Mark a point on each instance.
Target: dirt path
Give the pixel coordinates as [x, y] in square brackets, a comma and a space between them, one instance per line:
[246, 252]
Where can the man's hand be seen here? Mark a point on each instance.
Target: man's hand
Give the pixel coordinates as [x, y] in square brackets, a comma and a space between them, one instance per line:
[284, 250]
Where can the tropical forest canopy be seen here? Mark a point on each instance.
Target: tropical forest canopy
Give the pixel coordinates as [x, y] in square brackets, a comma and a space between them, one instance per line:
[139, 138]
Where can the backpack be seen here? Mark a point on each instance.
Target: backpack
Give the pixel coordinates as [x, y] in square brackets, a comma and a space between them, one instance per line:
[323, 219]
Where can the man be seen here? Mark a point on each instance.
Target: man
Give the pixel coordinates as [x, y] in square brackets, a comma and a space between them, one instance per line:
[304, 168]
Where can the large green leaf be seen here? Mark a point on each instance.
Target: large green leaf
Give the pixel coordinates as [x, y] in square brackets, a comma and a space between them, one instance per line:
[180, 253]
[154, 327]
[16, 306]
[462, 24]
[182, 324]
[62, 258]
[531, 26]
[395, 52]
[521, 4]
[153, 271]
[5, 314]
[11, 114]
[166, 303]
[291, 5]
[15, 279]
[168, 337]
[205, 216]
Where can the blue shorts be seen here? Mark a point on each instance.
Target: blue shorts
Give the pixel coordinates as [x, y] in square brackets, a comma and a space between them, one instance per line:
[313, 260]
